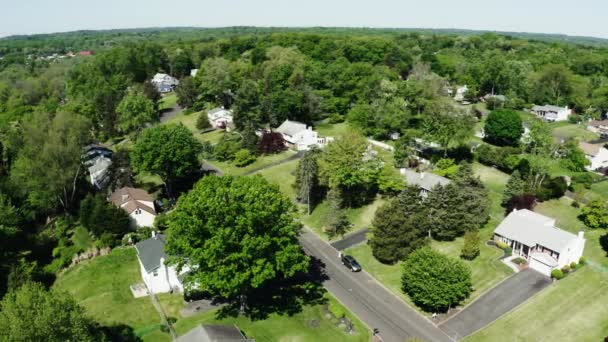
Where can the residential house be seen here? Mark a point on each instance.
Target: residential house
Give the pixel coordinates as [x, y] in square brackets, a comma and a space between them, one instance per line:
[138, 204]
[535, 238]
[599, 127]
[297, 135]
[597, 155]
[164, 83]
[425, 180]
[220, 117]
[98, 159]
[85, 53]
[214, 333]
[551, 113]
[156, 274]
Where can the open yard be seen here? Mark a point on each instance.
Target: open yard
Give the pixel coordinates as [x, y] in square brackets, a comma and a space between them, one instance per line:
[566, 131]
[261, 162]
[101, 286]
[283, 175]
[573, 309]
[168, 101]
[487, 269]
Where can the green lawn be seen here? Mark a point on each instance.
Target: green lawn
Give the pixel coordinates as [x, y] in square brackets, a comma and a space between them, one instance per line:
[168, 101]
[101, 286]
[566, 131]
[487, 270]
[573, 309]
[333, 130]
[283, 175]
[322, 214]
[262, 161]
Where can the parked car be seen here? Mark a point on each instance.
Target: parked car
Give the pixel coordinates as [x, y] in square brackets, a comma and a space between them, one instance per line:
[351, 263]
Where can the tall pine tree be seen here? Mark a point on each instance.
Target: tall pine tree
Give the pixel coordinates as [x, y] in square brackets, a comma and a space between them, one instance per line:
[307, 179]
[397, 229]
[515, 187]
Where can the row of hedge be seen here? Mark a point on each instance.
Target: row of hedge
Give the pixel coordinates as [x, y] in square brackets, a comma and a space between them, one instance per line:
[567, 269]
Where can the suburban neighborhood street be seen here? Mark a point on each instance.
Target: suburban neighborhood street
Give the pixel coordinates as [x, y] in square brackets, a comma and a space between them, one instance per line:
[366, 298]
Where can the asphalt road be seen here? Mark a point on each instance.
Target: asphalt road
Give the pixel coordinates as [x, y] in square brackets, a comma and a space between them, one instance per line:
[495, 303]
[366, 298]
[360, 236]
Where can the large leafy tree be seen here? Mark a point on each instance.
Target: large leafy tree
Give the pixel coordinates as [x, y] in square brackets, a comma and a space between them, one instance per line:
[101, 218]
[446, 124]
[574, 158]
[348, 165]
[503, 127]
[32, 313]
[595, 215]
[187, 92]
[10, 227]
[170, 151]
[135, 111]
[397, 227]
[434, 281]
[48, 166]
[238, 234]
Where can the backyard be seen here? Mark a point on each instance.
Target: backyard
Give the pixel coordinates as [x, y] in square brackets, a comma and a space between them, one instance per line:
[101, 286]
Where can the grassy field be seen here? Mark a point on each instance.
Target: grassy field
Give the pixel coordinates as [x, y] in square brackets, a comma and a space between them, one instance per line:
[261, 161]
[168, 101]
[101, 286]
[333, 130]
[486, 268]
[573, 131]
[359, 217]
[283, 175]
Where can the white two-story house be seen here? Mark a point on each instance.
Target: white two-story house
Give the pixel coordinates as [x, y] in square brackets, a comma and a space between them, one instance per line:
[535, 238]
[297, 135]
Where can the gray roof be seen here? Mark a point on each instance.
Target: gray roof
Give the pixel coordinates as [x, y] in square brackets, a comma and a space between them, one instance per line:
[213, 333]
[531, 228]
[548, 108]
[150, 251]
[425, 180]
[291, 127]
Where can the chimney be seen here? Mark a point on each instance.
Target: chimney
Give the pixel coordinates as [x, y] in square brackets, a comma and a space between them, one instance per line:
[581, 235]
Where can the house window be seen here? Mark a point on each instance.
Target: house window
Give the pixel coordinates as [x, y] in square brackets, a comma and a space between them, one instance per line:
[155, 273]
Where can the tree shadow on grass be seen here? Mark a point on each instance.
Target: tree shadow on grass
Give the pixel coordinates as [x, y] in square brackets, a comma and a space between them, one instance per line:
[282, 296]
[118, 332]
[604, 243]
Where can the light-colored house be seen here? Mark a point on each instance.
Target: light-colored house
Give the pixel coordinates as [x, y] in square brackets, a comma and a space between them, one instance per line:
[551, 113]
[425, 180]
[599, 127]
[99, 172]
[193, 72]
[300, 137]
[597, 154]
[460, 93]
[156, 274]
[535, 238]
[220, 117]
[138, 204]
[214, 333]
[164, 83]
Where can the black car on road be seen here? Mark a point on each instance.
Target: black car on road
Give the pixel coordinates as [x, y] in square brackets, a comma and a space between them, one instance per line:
[351, 263]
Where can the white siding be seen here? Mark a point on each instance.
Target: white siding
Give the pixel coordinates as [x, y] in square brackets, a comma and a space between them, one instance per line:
[142, 218]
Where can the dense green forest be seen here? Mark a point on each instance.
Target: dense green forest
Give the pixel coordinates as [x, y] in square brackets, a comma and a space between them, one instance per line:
[379, 81]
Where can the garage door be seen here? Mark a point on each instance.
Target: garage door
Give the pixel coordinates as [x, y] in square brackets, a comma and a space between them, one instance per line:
[540, 267]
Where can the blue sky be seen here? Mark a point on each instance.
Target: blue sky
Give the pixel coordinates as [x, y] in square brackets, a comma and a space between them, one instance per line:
[580, 17]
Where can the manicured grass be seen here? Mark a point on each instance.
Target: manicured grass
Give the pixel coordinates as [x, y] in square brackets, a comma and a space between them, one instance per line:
[261, 161]
[566, 131]
[308, 325]
[333, 130]
[189, 120]
[573, 309]
[101, 286]
[322, 215]
[168, 101]
[563, 212]
[283, 175]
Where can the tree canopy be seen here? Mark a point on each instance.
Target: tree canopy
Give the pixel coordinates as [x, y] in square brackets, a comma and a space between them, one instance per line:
[503, 127]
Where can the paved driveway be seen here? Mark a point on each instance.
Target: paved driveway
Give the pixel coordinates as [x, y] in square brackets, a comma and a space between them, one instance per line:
[495, 303]
[366, 298]
[350, 240]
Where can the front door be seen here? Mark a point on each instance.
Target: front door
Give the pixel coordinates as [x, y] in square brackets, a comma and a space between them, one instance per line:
[525, 251]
